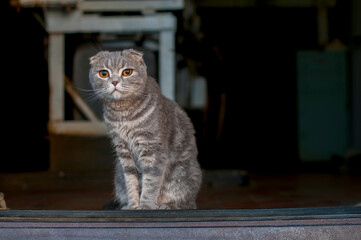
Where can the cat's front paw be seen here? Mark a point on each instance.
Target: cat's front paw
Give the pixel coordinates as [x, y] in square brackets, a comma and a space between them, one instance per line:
[130, 207]
[164, 207]
[148, 206]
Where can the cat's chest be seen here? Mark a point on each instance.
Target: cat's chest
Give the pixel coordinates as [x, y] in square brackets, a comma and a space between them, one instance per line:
[135, 138]
[122, 130]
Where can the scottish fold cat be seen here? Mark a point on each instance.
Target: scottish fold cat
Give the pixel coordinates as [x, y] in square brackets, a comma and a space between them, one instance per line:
[156, 163]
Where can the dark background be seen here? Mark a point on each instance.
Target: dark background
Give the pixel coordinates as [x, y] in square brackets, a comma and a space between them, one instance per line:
[247, 54]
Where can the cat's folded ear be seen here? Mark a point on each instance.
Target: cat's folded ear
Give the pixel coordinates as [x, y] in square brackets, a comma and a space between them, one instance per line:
[138, 56]
[96, 57]
[135, 54]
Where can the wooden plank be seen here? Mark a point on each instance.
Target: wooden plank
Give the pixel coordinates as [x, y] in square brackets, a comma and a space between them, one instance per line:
[167, 63]
[301, 223]
[166, 4]
[56, 77]
[79, 102]
[77, 22]
[81, 128]
[106, 5]
[42, 3]
[130, 5]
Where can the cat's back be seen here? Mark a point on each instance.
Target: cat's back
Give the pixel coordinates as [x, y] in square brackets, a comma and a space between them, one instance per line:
[178, 115]
[175, 115]
[180, 133]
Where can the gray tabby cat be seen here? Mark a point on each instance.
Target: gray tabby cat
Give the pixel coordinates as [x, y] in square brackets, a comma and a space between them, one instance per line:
[156, 165]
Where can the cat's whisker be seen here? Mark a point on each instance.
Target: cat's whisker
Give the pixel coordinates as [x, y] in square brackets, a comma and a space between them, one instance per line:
[92, 95]
[92, 99]
[84, 90]
[139, 92]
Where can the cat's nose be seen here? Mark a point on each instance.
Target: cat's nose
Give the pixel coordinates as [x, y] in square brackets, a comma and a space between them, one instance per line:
[114, 83]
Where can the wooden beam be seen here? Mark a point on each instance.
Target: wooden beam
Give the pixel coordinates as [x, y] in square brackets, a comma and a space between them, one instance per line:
[79, 128]
[79, 102]
[56, 77]
[106, 5]
[77, 22]
[136, 5]
[42, 3]
[167, 63]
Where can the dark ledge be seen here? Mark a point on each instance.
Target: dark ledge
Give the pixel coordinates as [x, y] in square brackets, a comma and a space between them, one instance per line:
[283, 223]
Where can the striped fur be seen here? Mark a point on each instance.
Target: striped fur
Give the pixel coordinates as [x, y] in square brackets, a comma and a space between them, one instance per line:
[153, 138]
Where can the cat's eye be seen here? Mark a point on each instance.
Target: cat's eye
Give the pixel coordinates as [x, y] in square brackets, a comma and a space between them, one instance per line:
[127, 72]
[103, 73]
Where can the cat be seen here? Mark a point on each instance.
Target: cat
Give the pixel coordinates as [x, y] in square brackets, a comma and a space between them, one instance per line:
[156, 154]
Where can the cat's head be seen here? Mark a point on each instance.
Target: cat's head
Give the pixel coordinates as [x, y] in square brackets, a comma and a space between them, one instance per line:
[118, 75]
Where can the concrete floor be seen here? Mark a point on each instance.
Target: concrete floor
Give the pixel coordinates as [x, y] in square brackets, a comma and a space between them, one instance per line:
[91, 190]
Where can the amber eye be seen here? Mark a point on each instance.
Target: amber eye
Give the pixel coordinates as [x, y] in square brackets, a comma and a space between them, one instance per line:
[127, 72]
[103, 73]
